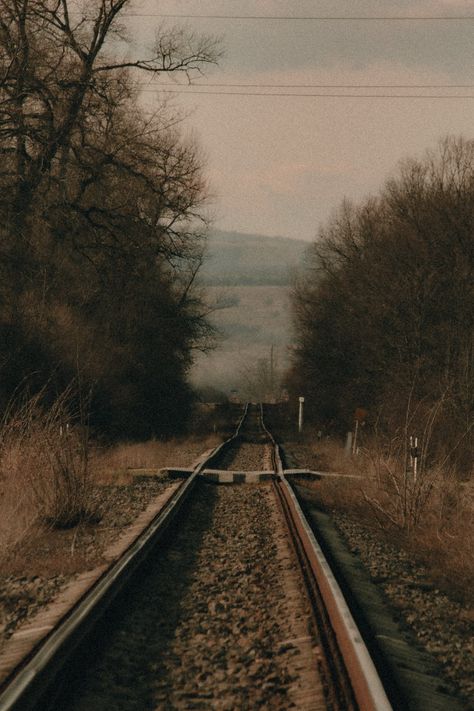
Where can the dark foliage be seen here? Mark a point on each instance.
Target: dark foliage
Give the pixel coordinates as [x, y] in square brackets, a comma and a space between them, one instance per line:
[385, 312]
[101, 235]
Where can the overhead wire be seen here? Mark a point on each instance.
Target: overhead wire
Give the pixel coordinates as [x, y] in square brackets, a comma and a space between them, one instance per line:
[323, 95]
[228, 85]
[316, 18]
[193, 89]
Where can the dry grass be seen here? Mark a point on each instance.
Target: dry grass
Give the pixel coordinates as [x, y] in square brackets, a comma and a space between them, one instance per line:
[444, 541]
[334, 458]
[48, 473]
[44, 470]
[432, 519]
[116, 465]
[18, 504]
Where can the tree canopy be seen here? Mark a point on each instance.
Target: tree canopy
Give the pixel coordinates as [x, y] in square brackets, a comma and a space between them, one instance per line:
[102, 213]
[385, 311]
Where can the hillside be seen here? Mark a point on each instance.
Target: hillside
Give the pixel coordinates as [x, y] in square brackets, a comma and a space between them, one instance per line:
[237, 259]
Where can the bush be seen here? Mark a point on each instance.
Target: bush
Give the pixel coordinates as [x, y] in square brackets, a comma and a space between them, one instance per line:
[431, 518]
[44, 467]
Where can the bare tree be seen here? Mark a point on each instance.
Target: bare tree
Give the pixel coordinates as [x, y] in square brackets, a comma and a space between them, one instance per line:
[102, 229]
[385, 311]
[53, 56]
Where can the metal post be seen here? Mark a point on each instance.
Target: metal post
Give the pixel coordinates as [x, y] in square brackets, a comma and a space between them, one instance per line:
[272, 388]
[415, 460]
[348, 447]
[414, 457]
[300, 415]
[354, 442]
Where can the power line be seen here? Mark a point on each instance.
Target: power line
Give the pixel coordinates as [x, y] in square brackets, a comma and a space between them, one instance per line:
[307, 86]
[316, 18]
[322, 96]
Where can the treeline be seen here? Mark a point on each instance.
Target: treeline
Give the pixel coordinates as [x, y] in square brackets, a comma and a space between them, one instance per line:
[385, 312]
[101, 227]
[259, 277]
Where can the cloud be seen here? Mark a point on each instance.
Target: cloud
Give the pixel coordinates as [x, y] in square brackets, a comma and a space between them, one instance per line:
[281, 165]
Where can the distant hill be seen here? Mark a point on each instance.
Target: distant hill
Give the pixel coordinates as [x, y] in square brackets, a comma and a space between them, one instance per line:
[237, 259]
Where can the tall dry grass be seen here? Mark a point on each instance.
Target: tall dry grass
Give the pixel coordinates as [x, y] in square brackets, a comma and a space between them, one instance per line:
[44, 468]
[116, 464]
[431, 517]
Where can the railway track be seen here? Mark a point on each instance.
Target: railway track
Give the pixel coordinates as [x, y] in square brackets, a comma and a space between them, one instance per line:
[225, 601]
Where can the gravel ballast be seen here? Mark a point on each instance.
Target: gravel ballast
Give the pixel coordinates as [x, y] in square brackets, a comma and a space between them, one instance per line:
[40, 567]
[218, 622]
[439, 624]
[442, 627]
[245, 457]
[47, 559]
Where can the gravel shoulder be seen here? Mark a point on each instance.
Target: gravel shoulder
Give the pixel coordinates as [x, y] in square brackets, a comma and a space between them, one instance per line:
[442, 626]
[47, 559]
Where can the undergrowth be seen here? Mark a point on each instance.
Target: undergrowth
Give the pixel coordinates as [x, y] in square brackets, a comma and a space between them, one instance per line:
[45, 475]
[431, 517]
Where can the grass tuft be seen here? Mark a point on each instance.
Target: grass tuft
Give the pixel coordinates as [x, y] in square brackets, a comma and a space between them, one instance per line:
[44, 468]
[431, 518]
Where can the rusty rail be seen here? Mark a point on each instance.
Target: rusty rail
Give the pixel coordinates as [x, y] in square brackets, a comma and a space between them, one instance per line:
[353, 680]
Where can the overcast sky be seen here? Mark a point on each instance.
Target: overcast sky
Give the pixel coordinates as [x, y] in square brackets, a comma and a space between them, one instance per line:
[280, 165]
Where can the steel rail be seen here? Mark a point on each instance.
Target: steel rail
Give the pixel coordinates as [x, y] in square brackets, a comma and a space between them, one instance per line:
[358, 685]
[28, 683]
[276, 452]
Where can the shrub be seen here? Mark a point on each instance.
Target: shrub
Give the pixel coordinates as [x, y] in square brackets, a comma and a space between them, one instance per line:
[430, 517]
[44, 467]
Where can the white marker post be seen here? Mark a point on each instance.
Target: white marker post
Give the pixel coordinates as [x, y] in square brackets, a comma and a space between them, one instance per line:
[360, 417]
[348, 447]
[300, 415]
[354, 441]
